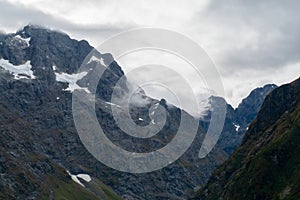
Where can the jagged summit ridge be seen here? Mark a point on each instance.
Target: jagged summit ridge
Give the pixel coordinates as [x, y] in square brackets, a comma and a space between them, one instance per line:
[45, 105]
[45, 135]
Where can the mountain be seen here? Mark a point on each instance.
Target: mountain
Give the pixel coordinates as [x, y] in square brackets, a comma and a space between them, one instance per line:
[266, 165]
[28, 173]
[237, 120]
[250, 106]
[38, 144]
[42, 155]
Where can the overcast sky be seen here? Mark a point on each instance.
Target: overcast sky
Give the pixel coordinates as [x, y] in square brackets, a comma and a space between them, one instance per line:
[251, 42]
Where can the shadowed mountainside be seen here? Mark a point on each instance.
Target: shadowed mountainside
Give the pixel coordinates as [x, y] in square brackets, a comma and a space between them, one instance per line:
[267, 163]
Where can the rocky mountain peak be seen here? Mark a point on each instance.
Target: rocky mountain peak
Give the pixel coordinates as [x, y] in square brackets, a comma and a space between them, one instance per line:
[237, 120]
[249, 107]
[44, 48]
[38, 74]
[266, 164]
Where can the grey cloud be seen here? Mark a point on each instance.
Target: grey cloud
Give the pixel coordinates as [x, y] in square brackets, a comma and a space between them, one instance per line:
[14, 17]
[250, 41]
[276, 25]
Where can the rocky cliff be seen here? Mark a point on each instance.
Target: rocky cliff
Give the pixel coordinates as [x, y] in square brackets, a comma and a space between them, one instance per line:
[41, 151]
[42, 155]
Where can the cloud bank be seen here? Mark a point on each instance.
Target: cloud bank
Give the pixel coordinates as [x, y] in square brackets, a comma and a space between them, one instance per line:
[252, 42]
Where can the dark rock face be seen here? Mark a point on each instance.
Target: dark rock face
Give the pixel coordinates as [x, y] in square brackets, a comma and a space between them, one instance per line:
[249, 107]
[238, 120]
[44, 135]
[44, 127]
[266, 165]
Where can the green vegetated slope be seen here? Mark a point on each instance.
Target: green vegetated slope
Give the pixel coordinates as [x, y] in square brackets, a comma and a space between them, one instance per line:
[27, 172]
[267, 164]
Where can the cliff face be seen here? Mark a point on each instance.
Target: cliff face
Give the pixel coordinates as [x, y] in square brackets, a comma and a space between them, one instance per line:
[38, 139]
[40, 148]
[238, 120]
[250, 106]
[41, 151]
[266, 164]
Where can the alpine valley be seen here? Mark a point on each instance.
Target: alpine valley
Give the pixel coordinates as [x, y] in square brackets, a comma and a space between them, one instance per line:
[42, 156]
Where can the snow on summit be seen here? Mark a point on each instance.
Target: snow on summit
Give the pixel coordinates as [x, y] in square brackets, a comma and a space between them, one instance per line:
[25, 40]
[95, 59]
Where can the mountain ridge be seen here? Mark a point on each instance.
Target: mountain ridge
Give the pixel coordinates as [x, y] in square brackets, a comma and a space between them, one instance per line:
[238, 120]
[44, 102]
[265, 165]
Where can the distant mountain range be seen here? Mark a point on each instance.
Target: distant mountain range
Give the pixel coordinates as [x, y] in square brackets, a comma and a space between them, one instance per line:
[41, 154]
[237, 120]
[267, 163]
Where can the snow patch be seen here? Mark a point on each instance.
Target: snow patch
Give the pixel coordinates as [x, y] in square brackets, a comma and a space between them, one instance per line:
[99, 60]
[19, 71]
[237, 127]
[26, 40]
[85, 177]
[112, 104]
[75, 179]
[71, 79]
[154, 109]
